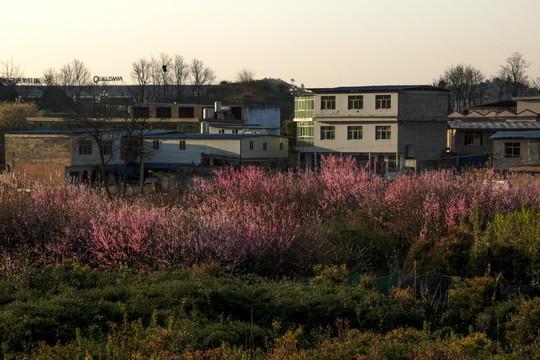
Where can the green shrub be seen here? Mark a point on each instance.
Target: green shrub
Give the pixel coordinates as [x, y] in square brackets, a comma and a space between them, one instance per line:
[510, 246]
[466, 300]
[524, 330]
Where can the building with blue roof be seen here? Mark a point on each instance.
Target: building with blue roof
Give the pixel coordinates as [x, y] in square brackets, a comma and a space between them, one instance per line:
[517, 151]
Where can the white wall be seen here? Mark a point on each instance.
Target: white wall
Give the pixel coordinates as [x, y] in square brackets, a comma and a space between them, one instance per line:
[272, 147]
[93, 159]
[365, 145]
[368, 110]
[169, 150]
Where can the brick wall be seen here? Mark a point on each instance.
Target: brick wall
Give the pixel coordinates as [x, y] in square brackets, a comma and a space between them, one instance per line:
[51, 174]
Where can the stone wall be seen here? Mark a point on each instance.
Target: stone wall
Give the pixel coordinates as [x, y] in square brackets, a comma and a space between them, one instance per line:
[38, 149]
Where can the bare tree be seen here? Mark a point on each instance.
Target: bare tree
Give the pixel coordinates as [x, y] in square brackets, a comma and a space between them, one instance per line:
[156, 78]
[140, 72]
[513, 75]
[50, 77]
[180, 74]
[245, 75]
[536, 83]
[201, 75]
[10, 73]
[466, 84]
[165, 62]
[95, 121]
[75, 78]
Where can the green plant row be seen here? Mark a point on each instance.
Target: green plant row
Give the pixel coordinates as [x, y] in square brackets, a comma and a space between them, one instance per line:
[73, 312]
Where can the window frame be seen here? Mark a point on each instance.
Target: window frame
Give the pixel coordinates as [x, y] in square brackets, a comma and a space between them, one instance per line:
[383, 102]
[355, 132]
[328, 102]
[85, 147]
[355, 102]
[182, 145]
[106, 147]
[328, 132]
[512, 149]
[473, 138]
[383, 132]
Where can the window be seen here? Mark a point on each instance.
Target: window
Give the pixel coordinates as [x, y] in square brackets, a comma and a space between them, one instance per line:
[235, 131]
[265, 146]
[182, 145]
[328, 132]
[251, 145]
[280, 146]
[356, 102]
[140, 112]
[186, 112]
[106, 147]
[303, 107]
[85, 147]
[155, 144]
[163, 112]
[354, 133]
[392, 164]
[221, 131]
[383, 102]
[305, 133]
[383, 133]
[473, 138]
[328, 102]
[512, 149]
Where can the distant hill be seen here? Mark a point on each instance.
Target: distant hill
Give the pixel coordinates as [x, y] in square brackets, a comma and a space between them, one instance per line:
[271, 92]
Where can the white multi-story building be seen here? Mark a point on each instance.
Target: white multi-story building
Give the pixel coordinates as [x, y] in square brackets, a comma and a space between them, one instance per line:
[389, 128]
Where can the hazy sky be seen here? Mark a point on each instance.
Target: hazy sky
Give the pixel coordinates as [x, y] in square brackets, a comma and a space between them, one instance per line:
[318, 43]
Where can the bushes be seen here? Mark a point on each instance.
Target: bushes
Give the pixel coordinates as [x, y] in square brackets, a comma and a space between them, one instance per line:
[73, 312]
[283, 223]
[467, 300]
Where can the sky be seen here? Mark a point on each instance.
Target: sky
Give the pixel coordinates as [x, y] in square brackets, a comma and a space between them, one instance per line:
[317, 43]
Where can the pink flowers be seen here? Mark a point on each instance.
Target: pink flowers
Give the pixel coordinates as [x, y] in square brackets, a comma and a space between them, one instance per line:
[248, 220]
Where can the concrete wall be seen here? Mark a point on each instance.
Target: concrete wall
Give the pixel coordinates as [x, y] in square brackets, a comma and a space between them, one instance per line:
[94, 159]
[427, 138]
[530, 104]
[365, 145]
[272, 147]
[244, 130]
[459, 143]
[169, 150]
[264, 116]
[530, 154]
[423, 105]
[368, 110]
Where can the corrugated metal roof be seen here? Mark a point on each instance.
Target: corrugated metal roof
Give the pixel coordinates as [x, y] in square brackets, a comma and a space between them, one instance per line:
[494, 125]
[516, 135]
[375, 88]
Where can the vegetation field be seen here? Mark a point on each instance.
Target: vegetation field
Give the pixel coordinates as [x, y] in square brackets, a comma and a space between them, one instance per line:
[256, 264]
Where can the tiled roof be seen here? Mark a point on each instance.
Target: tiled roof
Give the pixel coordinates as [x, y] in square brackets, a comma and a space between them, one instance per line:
[494, 125]
[516, 135]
